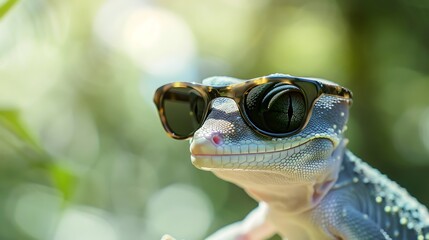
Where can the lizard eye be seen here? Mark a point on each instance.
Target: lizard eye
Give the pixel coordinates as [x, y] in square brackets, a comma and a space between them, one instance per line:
[276, 108]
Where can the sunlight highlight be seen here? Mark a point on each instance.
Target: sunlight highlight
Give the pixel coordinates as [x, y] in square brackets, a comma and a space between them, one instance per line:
[174, 209]
[157, 40]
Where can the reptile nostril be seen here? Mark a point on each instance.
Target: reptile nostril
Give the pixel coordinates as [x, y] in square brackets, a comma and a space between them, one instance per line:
[217, 139]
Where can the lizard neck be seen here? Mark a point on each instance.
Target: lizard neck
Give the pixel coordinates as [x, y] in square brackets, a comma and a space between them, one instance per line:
[293, 198]
[290, 199]
[280, 192]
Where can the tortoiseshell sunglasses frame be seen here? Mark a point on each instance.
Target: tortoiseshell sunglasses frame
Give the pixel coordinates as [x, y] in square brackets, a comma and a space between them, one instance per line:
[311, 88]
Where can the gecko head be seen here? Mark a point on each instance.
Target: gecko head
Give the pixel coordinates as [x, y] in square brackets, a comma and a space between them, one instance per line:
[228, 147]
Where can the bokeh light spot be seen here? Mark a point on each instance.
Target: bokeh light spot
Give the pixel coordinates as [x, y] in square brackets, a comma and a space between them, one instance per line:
[180, 210]
[406, 132]
[85, 223]
[305, 39]
[158, 41]
[35, 209]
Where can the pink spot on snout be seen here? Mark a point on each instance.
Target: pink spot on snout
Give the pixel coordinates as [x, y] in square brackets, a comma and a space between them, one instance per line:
[217, 139]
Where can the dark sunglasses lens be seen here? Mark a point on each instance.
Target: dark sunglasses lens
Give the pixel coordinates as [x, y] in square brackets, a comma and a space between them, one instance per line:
[276, 107]
[183, 110]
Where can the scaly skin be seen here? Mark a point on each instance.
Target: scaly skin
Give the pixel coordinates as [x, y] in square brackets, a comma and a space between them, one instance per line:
[308, 185]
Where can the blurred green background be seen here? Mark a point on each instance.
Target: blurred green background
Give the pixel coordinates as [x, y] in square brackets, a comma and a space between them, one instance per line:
[83, 154]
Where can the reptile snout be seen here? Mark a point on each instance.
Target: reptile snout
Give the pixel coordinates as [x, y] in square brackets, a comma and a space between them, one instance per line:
[202, 148]
[206, 145]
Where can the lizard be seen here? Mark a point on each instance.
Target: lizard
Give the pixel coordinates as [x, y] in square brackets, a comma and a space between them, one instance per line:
[308, 184]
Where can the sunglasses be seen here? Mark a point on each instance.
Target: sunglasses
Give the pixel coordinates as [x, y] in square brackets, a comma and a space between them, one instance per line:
[273, 106]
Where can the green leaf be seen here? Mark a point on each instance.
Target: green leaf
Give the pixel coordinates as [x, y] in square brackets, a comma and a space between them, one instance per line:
[10, 120]
[18, 148]
[5, 6]
[64, 180]
[62, 177]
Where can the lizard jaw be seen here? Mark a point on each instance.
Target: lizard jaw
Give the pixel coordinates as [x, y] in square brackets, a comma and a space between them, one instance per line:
[206, 156]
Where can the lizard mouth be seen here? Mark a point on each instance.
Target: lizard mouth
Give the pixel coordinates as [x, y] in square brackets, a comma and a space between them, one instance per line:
[206, 156]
